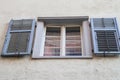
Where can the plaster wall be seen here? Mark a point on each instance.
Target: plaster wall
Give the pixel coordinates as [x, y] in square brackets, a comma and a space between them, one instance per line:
[98, 68]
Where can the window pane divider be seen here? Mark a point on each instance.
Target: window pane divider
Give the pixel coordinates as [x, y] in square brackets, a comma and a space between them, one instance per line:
[74, 47]
[72, 40]
[73, 36]
[52, 36]
[43, 42]
[52, 47]
[62, 42]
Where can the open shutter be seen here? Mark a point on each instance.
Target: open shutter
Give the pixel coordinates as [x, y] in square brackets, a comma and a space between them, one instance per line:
[105, 35]
[19, 37]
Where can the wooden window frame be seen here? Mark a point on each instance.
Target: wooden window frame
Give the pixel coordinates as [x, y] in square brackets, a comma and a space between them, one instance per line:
[63, 38]
[38, 49]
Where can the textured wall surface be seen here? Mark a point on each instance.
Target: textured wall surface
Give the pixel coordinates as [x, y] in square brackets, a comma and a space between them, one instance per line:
[98, 68]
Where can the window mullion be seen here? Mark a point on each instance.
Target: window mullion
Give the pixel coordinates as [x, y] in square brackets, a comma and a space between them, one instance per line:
[63, 40]
[43, 43]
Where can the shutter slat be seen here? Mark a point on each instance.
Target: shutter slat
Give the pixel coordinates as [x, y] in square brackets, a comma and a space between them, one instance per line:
[107, 41]
[18, 42]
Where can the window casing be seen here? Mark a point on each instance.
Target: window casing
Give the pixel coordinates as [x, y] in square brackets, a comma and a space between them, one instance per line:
[60, 40]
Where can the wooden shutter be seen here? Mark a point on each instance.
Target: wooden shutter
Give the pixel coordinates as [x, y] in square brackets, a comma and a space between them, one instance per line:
[19, 37]
[105, 35]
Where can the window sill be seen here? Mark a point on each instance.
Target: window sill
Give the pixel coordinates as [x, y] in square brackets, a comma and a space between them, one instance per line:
[63, 57]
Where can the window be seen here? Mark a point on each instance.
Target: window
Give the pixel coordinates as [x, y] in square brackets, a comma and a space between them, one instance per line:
[63, 37]
[19, 38]
[56, 43]
[105, 36]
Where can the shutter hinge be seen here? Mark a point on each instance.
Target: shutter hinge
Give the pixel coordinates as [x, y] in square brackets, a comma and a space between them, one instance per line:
[28, 38]
[92, 50]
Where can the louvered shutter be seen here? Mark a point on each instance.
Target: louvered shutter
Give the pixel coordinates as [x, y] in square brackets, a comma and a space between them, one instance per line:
[19, 37]
[105, 35]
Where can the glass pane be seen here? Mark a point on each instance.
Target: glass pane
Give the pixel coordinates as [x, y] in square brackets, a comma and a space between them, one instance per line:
[53, 38]
[73, 51]
[73, 41]
[52, 51]
[52, 31]
[52, 42]
[72, 31]
[73, 37]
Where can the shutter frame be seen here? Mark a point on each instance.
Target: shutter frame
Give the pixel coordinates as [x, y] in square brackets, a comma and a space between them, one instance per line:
[94, 37]
[8, 38]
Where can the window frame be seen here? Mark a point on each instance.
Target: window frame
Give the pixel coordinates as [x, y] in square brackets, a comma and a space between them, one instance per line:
[63, 38]
[40, 36]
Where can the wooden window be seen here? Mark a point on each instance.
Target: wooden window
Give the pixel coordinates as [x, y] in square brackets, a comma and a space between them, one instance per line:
[63, 37]
[62, 41]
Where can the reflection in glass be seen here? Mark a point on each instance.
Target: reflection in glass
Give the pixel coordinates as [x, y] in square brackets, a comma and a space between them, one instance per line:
[52, 42]
[73, 41]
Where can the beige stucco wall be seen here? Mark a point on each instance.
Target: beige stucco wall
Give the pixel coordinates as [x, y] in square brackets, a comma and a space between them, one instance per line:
[98, 68]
